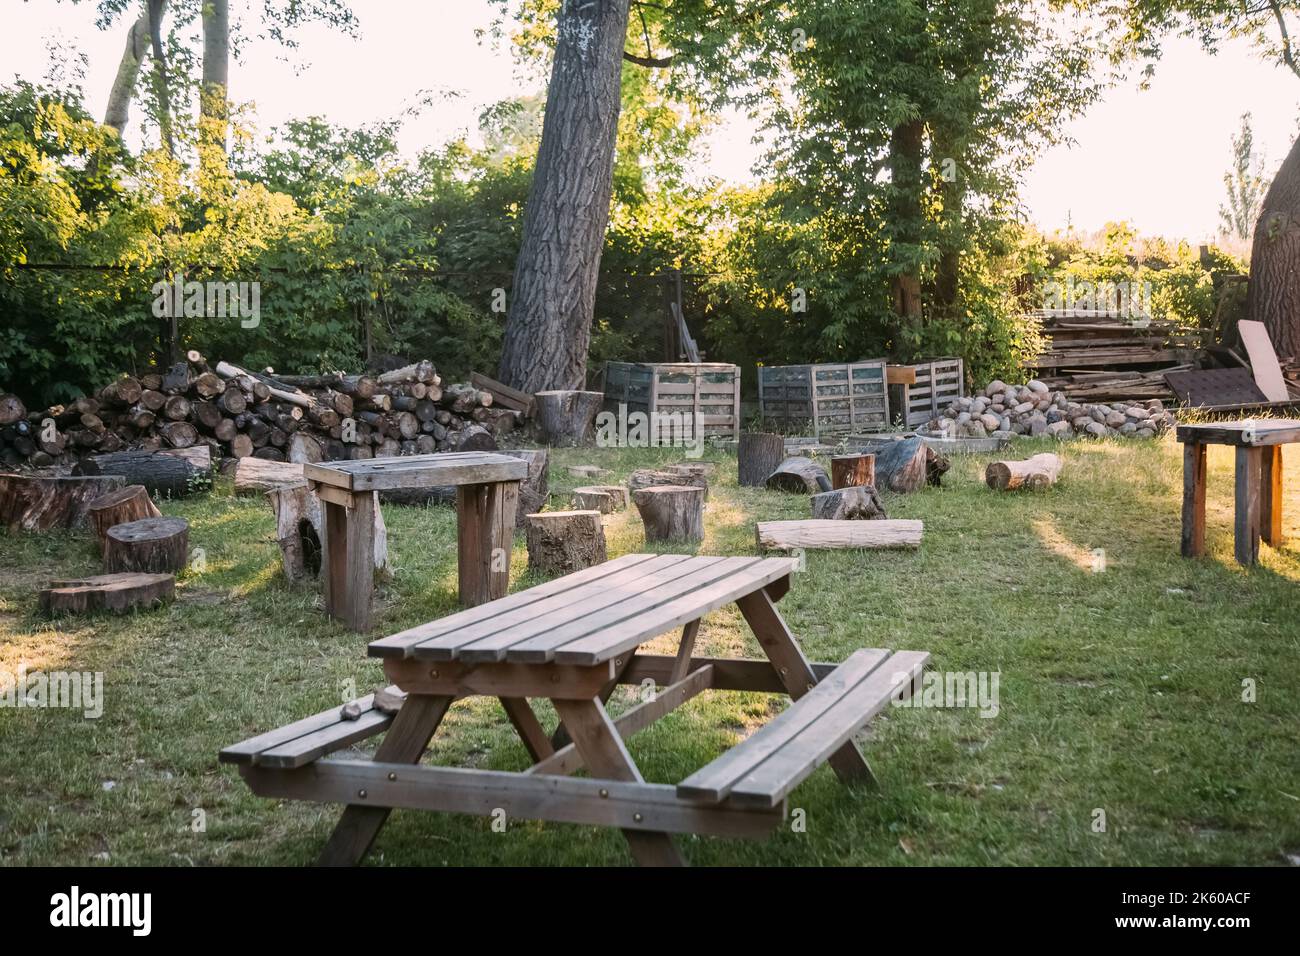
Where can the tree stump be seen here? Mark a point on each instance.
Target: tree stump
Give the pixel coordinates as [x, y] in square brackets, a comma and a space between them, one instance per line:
[907, 465]
[850, 471]
[563, 541]
[171, 476]
[758, 455]
[800, 476]
[671, 512]
[593, 499]
[119, 507]
[1034, 473]
[858, 502]
[150, 545]
[534, 489]
[37, 503]
[650, 478]
[568, 418]
[107, 592]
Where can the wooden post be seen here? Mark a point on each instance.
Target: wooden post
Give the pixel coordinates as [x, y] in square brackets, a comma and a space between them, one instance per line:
[485, 517]
[1246, 518]
[1193, 499]
[1270, 511]
[347, 560]
[853, 471]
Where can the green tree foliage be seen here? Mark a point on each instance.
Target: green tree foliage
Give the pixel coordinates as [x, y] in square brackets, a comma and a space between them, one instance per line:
[1245, 184]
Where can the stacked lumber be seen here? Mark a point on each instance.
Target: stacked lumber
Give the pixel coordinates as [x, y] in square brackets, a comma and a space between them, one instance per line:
[229, 411]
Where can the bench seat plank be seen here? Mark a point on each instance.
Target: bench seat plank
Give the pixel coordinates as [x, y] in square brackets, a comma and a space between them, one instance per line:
[303, 741]
[762, 770]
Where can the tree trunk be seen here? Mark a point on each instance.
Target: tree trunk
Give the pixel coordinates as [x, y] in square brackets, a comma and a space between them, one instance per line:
[800, 476]
[548, 328]
[128, 71]
[216, 77]
[1274, 290]
[905, 155]
[161, 81]
[856, 502]
[37, 503]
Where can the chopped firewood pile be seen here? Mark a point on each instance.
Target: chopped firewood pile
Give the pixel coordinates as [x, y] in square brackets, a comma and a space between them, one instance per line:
[1035, 409]
[238, 413]
[1099, 356]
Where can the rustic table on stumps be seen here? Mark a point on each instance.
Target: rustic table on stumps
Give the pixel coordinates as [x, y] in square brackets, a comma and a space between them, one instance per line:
[487, 496]
[1259, 482]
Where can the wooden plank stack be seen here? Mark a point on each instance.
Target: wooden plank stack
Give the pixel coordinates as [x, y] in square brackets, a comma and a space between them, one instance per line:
[238, 413]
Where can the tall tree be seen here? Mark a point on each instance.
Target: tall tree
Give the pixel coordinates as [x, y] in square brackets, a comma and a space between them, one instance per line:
[128, 71]
[1245, 185]
[213, 107]
[548, 326]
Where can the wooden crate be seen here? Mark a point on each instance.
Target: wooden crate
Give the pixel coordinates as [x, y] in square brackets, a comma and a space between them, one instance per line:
[938, 384]
[828, 399]
[710, 391]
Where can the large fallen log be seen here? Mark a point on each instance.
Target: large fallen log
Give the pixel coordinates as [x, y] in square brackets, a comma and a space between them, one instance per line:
[650, 478]
[38, 503]
[799, 475]
[1034, 473]
[170, 476]
[813, 534]
[907, 465]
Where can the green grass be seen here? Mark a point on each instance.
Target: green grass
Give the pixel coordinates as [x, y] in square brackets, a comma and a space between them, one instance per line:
[1120, 690]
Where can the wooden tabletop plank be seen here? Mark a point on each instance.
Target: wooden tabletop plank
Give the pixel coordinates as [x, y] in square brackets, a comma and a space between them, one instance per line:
[605, 642]
[400, 644]
[715, 780]
[1277, 431]
[488, 644]
[418, 471]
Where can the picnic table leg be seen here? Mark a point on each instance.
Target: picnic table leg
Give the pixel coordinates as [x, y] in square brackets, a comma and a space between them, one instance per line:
[797, 674]
[1246, 516]
[485, 519]
[529, 728]
[405, 742]
[1270, 487]
[347, 559]
[602, 749]
[1193, 499]
[560, 737]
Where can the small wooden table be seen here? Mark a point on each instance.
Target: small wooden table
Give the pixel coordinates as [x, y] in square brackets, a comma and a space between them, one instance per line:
[487, 496]
[1259, 482]
[572, 641]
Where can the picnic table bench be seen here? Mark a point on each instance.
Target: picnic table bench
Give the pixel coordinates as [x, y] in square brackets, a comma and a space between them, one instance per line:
[572, 641]
[487, 496]
[1258, 497]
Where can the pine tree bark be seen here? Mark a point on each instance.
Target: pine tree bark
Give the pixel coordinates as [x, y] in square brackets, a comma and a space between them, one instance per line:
[548, 328]
[1273, 295]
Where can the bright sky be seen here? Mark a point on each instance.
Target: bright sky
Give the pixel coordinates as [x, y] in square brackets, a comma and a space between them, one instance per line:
[1154, 157]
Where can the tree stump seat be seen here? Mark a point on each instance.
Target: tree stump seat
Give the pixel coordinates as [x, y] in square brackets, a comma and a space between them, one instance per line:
[149, 546]
[671, 512]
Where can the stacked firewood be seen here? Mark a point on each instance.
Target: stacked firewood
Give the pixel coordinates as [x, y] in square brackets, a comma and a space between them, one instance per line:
[239, 413]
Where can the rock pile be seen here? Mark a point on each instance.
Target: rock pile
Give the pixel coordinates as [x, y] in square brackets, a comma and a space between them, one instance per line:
[1034, 409]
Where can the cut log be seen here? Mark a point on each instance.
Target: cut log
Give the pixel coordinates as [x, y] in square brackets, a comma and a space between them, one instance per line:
[119, 507]
[419, 372]
[168, 475]
[150, 545]
[12, 409]
[907, 465]
[563, 541]
[758, 455]
[209, 385]
[535, 488]
[617, 494]
[37, 503]
[175, 408]
[241, 446]
[671, 512]
[179, 434]
[568, 418]
[814, 533]
[257, 475]
[117, 593]
[475, 438]
[856, 502]
[849, 471]
[650, 478]
[200, 456]
[304, 448]
[592, 498]
[800, 476]
[1034, 473]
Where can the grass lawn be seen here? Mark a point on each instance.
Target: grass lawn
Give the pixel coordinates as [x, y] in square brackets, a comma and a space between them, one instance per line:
[1120, 690]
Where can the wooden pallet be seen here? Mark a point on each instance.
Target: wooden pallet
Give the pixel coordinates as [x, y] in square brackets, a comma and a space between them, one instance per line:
[828, 399]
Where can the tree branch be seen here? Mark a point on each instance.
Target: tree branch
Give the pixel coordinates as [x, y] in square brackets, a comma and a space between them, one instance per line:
[657, 62]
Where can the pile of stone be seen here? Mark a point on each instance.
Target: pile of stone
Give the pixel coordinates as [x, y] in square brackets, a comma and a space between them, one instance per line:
[1034, 409]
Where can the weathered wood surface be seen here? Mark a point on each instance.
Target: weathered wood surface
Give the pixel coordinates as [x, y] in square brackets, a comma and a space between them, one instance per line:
[485, 524]
[535, 486]
[119, 507]
[757, 456]
[814, 533]
[653, 478]
[671, 512]
[567, 418]
[800, 476]
[560, 542]
[117, 593]
[171, 476]
[1194, 474]
[855, 502]
[255, 476]
[1246, 512]
[908, 465]
[849, 471]
[418, 471]
[39, 503]
[1278, 431]
[603, 498]
[1036, 473]
[148, 546]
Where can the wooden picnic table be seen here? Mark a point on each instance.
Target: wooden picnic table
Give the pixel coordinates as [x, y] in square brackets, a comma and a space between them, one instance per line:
[572, 641]
[1258, 504]
[487, 496]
